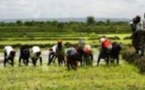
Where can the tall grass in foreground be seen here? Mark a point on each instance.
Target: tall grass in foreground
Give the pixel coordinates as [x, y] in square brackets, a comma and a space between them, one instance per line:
[122, 77]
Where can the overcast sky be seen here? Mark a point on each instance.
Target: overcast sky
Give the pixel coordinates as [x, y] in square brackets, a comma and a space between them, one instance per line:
[10, 9]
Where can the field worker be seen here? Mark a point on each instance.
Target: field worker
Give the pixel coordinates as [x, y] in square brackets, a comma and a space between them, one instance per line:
[54, 48]
[106, 44]
[87, 49]
[82, 43]
[35, 55]
[144, 22]
[71, 52]
[133, 24]
[88, 55]
[60, 49]
[60, 52]
[72, 57]
[9, 54]
[138, 26]
[35, 52]
[51, 55]
[8, 50]
[35, 49]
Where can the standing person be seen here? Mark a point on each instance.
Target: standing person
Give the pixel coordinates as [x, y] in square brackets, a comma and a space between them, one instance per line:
[133, 25]
[136, 24]
[144, 22]
[139, 36]
[139, 25]
[60, 52]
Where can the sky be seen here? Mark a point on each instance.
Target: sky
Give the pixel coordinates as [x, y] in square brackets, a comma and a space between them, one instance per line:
[10, 9]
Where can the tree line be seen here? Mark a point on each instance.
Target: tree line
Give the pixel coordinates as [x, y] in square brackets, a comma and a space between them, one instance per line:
[90, 25]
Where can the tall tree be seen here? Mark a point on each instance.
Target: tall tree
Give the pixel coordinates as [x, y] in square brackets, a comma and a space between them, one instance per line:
[90, 20]
[19, 22]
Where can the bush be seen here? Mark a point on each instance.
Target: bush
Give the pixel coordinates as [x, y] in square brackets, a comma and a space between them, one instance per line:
[114, 38]
[126, 38]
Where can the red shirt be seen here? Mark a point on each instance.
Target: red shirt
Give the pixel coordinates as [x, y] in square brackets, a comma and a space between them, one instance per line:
[106, 43]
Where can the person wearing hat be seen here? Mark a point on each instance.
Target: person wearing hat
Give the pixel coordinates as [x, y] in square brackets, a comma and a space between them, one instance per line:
[60, 52]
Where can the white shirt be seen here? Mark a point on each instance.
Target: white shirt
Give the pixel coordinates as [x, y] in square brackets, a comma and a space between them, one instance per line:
[139, 26]
[130, 23]
[54, 48]
[35, 49]
[8, 49]
[102, 40]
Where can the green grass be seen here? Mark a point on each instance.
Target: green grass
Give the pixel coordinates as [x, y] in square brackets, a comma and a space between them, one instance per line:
[122, 77]
[47, 42]
[39, 38]
[121, 36]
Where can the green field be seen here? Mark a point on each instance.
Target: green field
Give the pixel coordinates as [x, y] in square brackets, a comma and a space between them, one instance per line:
[48, 39]
[122, 77]
[54, 77]
[47, 34]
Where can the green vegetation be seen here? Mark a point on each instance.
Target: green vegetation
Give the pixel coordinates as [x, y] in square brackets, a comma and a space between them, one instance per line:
[45, 34]
[122, 77]
[49, 40]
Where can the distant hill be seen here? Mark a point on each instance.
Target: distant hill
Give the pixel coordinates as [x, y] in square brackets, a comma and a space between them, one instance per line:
[67, 19]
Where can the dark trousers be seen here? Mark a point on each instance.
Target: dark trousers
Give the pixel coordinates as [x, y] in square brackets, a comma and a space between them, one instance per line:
[51, 57]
